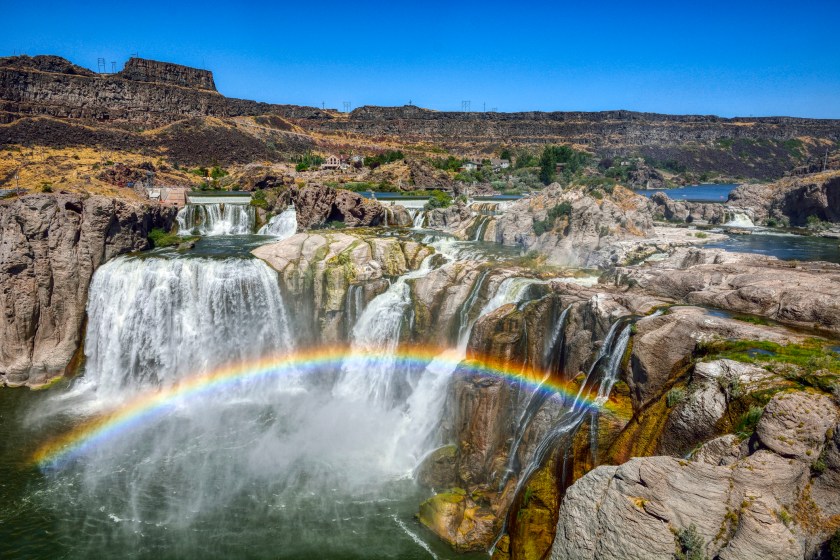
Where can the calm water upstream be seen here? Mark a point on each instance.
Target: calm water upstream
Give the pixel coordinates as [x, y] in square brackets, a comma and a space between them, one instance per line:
[695, 193]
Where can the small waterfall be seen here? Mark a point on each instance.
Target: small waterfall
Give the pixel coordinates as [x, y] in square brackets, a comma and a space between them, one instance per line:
[154, 320]
[377, 332]
[552, 362]
[607, 362]
[282, 225]
[481, 224]
[740, 220]
[418, 217]
[216, 219]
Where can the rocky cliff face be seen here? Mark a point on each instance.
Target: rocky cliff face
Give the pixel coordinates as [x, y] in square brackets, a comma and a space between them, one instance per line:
[146, 92]
[50, 246]
[142, 70]
[793, 199]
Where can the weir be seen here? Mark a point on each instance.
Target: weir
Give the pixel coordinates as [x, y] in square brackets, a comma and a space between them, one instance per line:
[209, 219]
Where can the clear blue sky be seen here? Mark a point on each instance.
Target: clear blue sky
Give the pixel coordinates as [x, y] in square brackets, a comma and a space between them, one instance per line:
[732, 58]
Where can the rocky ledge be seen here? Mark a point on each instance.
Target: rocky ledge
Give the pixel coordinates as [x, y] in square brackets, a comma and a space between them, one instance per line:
[50, 246]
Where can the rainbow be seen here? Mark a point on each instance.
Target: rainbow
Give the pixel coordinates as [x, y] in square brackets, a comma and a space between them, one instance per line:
[98, 430]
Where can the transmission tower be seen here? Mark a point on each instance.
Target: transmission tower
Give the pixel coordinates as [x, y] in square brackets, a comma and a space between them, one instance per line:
[113, 67]
[346, 106]
[465, 106]
[100, 65]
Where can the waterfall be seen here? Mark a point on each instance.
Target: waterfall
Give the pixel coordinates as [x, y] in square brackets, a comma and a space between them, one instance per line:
[607, 362]
[282, 225]
[418, 218]
[155, 320]
[481, 223]
[552, 362]
[216, 219]
[740, 220]
[377, 332]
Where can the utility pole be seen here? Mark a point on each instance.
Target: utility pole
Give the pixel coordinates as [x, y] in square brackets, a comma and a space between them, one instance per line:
[323, 105]
[346, 106]
[100, 65]
[484, 105]
[465, 106]
[113, 67]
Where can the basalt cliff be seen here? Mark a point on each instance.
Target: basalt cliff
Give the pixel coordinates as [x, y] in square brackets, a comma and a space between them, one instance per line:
[48, 100]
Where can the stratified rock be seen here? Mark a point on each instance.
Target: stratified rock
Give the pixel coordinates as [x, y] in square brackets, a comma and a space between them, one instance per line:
[318, 204]
[684, 211]
[633, 511]
[795, 424]
[724, 450]
[397, 216]
[804, 294]
[50, 246]
[665, 343]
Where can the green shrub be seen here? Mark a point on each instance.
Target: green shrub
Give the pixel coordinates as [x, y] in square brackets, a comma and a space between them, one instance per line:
[438, 199]
[597, 194]
[258, 199]
[689, 544]
[450, 163]
[748, 421]
[385, 157]
[674, 397]
[700, 235]
[834, 545]
[46, 187]
[571, 159]
[160, 238]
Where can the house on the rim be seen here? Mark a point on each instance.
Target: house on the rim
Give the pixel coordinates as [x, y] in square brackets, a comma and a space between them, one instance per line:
[331, 162]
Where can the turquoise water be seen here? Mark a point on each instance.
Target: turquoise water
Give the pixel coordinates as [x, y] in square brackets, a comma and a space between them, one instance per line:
[695, 193]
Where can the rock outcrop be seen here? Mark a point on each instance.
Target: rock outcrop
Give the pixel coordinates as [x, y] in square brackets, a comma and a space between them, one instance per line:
[574, 227]
[753, 505]
[792, 200]
[690, 212]
[320, 270]
[50, 246]
[142, 70]
[803, 294]
[316, 205]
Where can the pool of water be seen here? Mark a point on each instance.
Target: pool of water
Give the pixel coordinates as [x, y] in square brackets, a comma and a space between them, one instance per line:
[696, 193]
[61, 514]
[782, 246]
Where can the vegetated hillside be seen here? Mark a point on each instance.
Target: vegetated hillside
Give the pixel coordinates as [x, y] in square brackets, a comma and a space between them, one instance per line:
[46, 100]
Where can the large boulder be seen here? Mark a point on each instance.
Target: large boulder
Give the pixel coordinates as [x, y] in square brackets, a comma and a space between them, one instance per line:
[50, 246]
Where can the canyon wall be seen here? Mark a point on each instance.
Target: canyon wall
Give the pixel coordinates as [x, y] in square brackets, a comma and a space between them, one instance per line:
[50, 246]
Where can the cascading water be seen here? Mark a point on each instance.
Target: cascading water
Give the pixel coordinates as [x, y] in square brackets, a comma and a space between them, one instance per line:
[740, 220]
[216, 219]
[282, 225]
[283, 466]
[418, 218]
[551, 364]
[607, 362]
[153, 321]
